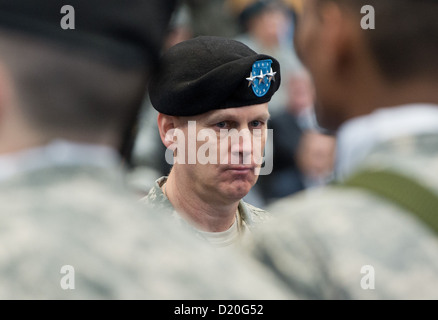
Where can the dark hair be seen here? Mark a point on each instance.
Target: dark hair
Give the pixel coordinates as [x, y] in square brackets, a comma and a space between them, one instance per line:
[404, 42]
[255, 9]
[67, 91]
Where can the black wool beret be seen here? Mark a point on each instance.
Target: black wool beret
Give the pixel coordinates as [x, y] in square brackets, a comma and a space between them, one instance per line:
[125, 31]
[208, 72]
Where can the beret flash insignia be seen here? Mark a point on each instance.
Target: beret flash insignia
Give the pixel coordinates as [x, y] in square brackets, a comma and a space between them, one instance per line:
[261, 76]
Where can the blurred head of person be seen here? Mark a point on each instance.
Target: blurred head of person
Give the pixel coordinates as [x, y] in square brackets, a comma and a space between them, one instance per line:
[84, 83]
[301, 93]
[357, 70]
[316, 157]
[267, 21]
[180, 28]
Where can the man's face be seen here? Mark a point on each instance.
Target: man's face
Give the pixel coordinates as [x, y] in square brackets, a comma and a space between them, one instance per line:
[301, 93]
[270, 26]
[223, 149]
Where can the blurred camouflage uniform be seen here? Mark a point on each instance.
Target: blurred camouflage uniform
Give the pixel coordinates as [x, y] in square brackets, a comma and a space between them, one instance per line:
[70, 228]
[71, 213]
[323, 242]
[248, 216]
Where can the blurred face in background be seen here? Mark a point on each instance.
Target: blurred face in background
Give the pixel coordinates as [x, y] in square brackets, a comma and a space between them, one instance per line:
[316, 155]
[301, 93]
[270, 26]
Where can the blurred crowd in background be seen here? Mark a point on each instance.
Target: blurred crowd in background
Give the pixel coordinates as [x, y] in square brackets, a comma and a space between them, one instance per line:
[303, 154]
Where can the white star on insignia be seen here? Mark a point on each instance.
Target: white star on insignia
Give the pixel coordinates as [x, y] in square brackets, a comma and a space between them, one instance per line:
[261, 76]
[271, 75]
[250, 79]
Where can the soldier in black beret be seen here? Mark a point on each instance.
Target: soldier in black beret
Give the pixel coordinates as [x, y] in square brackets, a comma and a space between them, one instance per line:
[212, 96]
[72, 77]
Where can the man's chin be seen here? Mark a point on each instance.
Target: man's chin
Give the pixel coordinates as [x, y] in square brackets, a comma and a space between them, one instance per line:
[237, 190]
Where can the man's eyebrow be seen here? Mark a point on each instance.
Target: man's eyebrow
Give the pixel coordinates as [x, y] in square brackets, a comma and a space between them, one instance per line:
[265, 116]
[222, 116]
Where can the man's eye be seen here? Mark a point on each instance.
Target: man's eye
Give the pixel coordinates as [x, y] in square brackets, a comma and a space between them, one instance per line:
[256, 123]
[221, 125]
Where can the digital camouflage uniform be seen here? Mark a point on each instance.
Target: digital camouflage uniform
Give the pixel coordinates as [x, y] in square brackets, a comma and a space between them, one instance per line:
[82, 216]
[323, 243]
[249, 217]
[69, 229]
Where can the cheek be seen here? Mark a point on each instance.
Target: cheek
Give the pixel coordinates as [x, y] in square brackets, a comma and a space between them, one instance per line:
[259, 142]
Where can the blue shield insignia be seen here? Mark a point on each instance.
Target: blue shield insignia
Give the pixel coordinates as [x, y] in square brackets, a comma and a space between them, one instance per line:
[261, 76]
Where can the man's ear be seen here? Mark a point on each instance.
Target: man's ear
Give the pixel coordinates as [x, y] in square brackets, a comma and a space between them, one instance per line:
[166, 126]
[340, 36]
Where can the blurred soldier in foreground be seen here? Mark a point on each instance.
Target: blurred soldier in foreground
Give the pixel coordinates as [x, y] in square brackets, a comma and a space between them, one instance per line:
[374, 234]
[70, 86]
[212, 96]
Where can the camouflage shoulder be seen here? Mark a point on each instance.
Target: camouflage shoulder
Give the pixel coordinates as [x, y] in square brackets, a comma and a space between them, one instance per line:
[157, 200]
[253, 214]
[151, 197]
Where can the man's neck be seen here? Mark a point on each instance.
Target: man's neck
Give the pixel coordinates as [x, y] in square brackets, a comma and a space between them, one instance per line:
[367, 98]
[205, 215]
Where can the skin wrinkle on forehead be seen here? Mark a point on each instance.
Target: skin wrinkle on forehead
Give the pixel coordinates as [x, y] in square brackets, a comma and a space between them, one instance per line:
[218, 115]
[234, 115]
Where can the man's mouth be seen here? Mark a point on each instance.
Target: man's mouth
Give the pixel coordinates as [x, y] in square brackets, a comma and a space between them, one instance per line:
[240, 168]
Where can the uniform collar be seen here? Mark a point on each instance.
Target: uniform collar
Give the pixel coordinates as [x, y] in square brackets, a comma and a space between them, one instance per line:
[357, 137]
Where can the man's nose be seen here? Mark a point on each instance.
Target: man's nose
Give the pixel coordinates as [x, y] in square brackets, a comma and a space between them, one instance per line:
[241, 146]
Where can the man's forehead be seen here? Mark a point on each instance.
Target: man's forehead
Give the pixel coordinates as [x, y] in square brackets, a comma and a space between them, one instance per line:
[247, 111]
